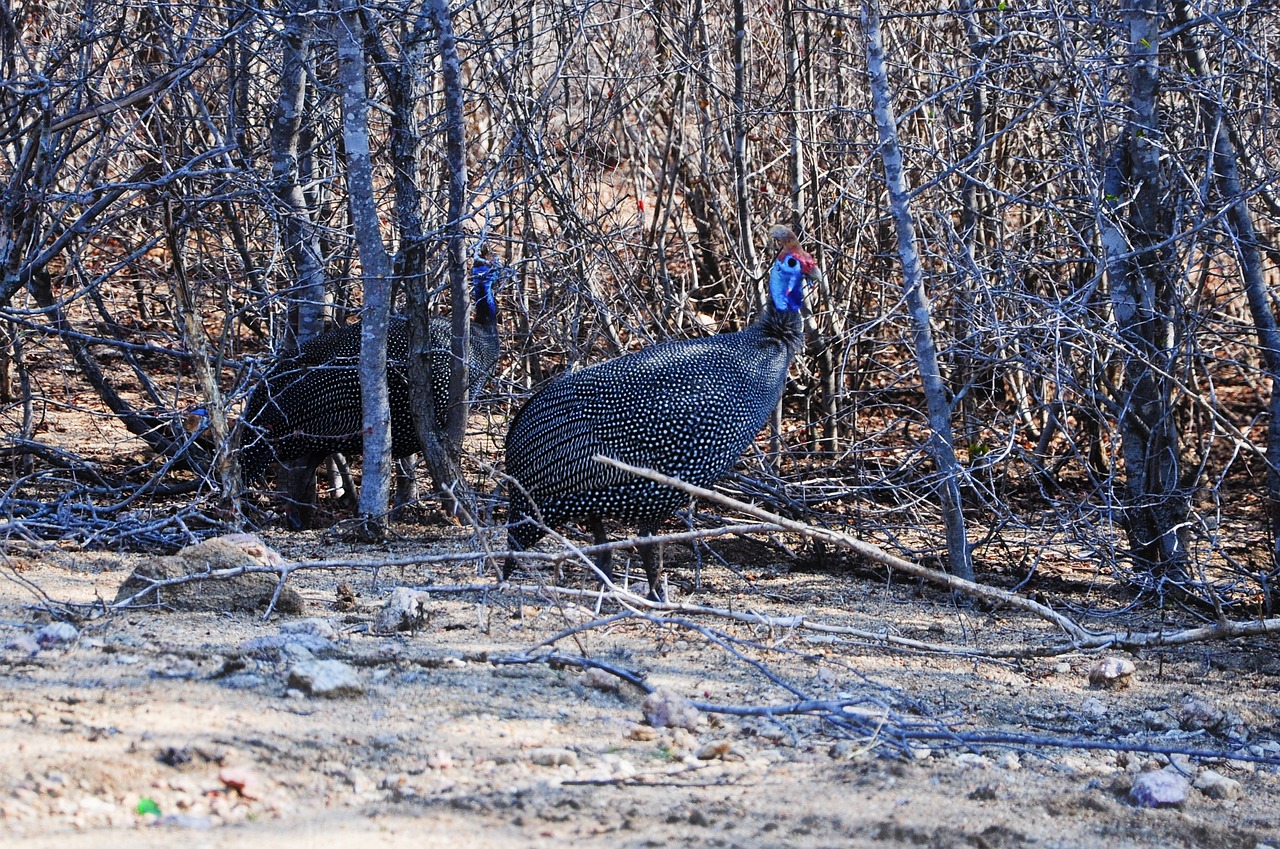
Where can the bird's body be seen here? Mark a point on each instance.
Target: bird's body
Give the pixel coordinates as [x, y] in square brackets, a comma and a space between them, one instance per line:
[309, 406]
[688, 409]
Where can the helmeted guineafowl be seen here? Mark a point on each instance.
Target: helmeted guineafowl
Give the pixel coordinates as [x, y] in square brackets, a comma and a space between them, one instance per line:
[308, 406]
[687, 409]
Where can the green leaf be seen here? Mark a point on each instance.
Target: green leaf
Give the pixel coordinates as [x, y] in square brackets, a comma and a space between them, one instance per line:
[1002, 5]
[147, 805]
[1144, 42]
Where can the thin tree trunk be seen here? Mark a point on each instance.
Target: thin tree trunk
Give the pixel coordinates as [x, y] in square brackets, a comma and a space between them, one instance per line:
[941, 446]
[442, 451]
[1135, 228]
[409, 265]
[1226, 175]
[301, 234]
[967, 271]
[190, 328]
[741, 189]
[375, 484]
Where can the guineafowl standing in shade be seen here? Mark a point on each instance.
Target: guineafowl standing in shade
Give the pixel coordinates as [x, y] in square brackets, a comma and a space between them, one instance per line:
[309, 406]
[687, 409]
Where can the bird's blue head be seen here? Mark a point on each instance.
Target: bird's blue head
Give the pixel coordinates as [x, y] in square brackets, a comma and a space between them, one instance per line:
[790, 270]
[485, 274]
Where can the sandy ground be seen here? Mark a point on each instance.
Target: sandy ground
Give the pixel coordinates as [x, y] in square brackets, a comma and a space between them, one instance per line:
[192, 714]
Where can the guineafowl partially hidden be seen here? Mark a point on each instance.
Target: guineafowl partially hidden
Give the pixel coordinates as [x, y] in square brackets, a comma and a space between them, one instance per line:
[308, 406]
[687, 409]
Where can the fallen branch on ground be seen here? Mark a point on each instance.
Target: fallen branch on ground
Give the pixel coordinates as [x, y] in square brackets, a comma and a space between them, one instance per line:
[1081, 638]
[865, 720]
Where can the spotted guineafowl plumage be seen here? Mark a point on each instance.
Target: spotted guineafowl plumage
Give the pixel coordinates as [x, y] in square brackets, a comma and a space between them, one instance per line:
[688, 409]
[309, 406]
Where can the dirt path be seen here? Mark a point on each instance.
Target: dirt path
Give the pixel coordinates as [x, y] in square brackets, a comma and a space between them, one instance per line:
[193, 713]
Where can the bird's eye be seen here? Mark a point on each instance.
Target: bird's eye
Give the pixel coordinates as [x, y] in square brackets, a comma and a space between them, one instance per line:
[792, 262]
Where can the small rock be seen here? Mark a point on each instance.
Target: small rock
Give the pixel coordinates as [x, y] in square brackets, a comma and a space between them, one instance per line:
[717, 750]
[313, 625]
[439, 759]
[1158, 720]
[278, 645]
[327, 678]
[664, 708]
[295, 653]
[244, 781]
[1196, 714]
[970, 760]
[1092, 708]
[248, 592]
[406, 610]
[680, 742]
[598, 679]
[174, 756]
[181, 669]
[1010, 761]
[187, 821]
[1265, 749]
[546, 756]
[1217, 786]
[1159, 789]
[399, 786]
[383, 742]
[22, 643]
[360, 783]
[1062, 668]
[1112, 672]
[243, 681]
[56, 634]
[642, 733]
[985, 793]
[345, 598]
[618, 767]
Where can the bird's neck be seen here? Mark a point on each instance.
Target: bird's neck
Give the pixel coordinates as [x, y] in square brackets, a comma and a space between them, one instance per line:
[784, 325]
[483, 314]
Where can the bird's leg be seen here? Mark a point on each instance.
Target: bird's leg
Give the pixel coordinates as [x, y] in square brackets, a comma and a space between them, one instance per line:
[406, 483]
[509, 565]
[649, 552]
[301, 506]
[604, 560]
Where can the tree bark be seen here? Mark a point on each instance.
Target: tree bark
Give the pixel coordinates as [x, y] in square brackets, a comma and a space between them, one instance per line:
[375, 485]
[742, 195]
[1244, 237]
[191, 329]
[298, 225]
[1135, 228]
[442, 451]
[941, 445]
